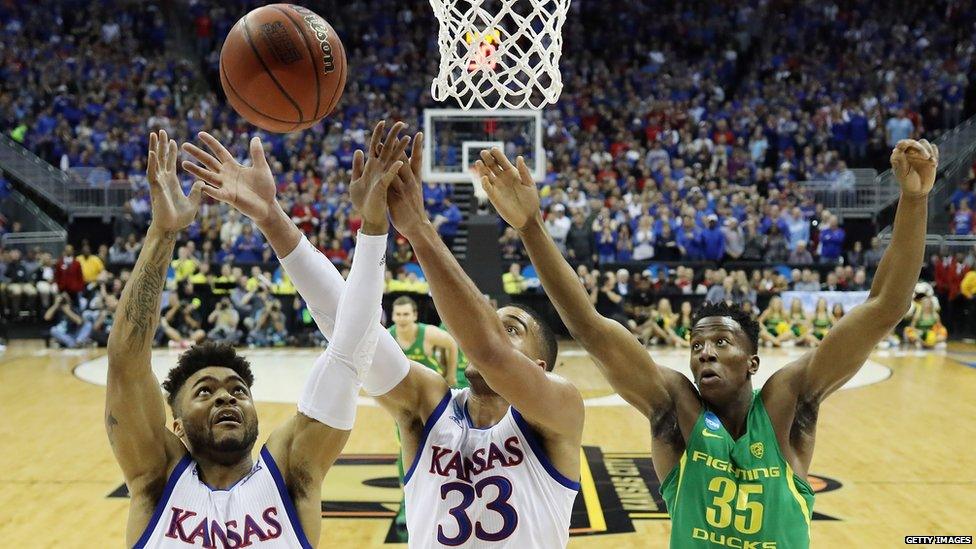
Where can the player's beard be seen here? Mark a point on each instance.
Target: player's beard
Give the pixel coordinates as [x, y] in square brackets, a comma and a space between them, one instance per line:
[229, 447]
[478, 384]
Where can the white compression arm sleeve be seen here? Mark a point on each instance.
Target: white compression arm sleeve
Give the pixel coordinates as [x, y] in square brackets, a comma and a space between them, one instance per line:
[321, 286]
[331, 391]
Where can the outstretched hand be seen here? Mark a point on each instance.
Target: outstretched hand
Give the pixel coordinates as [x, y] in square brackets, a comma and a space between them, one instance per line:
[915, 164]
[171, 209]
[406, 196]
[509, 188]
[372, 176]
[250, 190]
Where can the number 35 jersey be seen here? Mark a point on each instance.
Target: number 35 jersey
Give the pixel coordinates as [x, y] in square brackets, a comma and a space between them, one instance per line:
[737, 493]
[492, 487]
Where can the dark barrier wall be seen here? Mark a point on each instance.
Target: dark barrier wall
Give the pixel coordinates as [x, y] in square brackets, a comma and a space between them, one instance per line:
[483, 261]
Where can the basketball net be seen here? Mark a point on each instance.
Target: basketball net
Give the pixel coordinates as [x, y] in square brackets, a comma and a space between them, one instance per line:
[499, 53]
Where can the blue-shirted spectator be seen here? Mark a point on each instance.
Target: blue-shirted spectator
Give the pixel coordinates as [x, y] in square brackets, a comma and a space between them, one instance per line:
[961, 193]
[448, 221]
[249, 246]
[962, 219]
[434, 197]
[797, 227]
[713, 239]
[606, 245]
[773, 218]
[898, 127]
[831, 242]
[689, 239]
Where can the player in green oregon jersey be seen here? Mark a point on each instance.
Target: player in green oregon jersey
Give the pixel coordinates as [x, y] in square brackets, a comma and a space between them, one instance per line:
[732, 460]
[462, 364]
[419, 340]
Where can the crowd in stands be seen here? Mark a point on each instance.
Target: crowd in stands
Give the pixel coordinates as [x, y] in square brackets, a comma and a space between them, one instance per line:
[254, 303]
[687, 141]
[77, 293]
[682, 133]
[657, 303]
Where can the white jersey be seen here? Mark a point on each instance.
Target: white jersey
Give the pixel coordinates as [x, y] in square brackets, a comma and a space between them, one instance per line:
[493, 487]
[257, 511]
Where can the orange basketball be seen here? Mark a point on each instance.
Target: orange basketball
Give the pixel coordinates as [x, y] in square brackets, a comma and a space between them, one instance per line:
[283, 68]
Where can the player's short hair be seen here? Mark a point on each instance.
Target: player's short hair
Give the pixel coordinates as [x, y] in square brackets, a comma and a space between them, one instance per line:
[405, 300]
[203, 356]
[550, 346]
[735, 312]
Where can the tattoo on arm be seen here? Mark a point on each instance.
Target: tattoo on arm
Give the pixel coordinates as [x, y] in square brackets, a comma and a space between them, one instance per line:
[142, 306]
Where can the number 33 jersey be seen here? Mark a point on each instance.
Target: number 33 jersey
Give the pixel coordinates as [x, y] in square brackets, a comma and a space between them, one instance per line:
[737, 493]
[492, 487]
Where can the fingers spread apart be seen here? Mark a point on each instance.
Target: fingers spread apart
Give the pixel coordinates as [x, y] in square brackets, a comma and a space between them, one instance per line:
[206, 175]
[218, 150]
[391, 147]
[374, 139]
[202, 157]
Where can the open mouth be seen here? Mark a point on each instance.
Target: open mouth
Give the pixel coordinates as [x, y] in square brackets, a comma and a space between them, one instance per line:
[228, 416]
[708, 376]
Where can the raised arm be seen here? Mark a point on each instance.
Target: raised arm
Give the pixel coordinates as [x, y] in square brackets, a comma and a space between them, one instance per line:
[313, 439]
[472, 321]
[408, 390]
[251, 190]
[618, 354]
[851, 340]
[135, 417]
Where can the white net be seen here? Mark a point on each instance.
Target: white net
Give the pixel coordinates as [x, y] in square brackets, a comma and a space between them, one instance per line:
[499, 53]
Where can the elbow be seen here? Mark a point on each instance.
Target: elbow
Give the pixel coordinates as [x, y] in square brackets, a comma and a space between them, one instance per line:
[889, 313]
[585, 326]
[116, 356]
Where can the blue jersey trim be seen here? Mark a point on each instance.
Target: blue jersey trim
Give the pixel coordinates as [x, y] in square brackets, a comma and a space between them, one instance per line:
[232, 486]
[181, 466]
[428, 425]
[285, 498]
[530, 436]
[470, 422]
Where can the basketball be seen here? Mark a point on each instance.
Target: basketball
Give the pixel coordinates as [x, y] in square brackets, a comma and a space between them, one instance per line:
[282, 68]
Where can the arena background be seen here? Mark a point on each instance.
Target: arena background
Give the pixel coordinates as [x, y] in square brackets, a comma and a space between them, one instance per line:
[723, 150]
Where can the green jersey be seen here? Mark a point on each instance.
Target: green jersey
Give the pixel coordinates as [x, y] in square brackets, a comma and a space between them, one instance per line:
[462, 365]
[416, 352]
[926, 322]
[737, 493]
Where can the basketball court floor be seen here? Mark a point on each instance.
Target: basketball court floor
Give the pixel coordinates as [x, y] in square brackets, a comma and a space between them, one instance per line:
[894, 456]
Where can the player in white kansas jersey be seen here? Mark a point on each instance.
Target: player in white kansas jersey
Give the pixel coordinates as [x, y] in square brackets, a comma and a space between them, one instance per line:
[496, 465]
[198, 485]
[493, 466]
[496, 484]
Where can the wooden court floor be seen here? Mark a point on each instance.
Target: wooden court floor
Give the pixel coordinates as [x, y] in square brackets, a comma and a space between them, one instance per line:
[894, 458]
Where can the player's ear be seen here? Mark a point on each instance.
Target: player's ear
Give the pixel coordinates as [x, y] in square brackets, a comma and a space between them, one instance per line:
[542, 364]
[753, 365]
[178, 427]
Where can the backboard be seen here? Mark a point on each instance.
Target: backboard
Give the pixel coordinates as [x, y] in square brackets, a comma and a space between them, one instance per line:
[454, 138]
